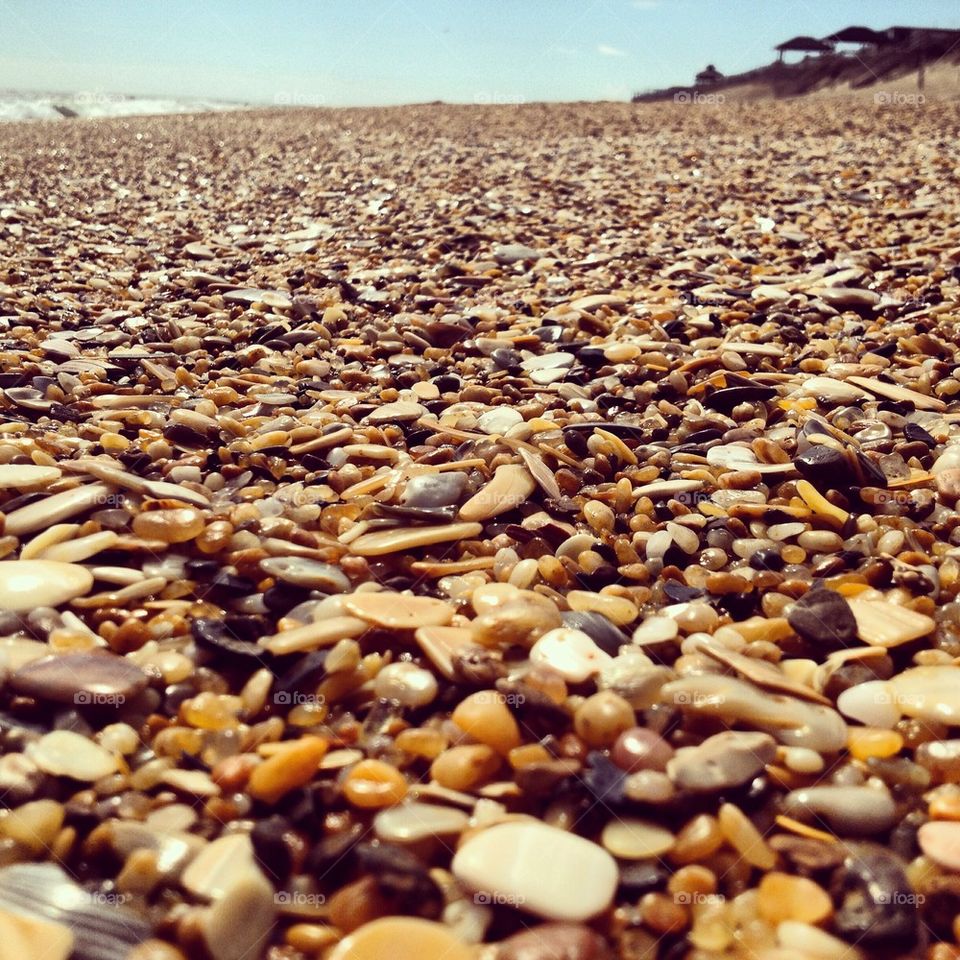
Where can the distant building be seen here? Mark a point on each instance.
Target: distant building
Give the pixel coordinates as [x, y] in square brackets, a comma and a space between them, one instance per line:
[859, 36]
[802, 45]
[923, 35]
[708, 77]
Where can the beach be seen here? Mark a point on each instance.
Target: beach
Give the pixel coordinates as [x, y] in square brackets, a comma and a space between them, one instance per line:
[491, 532]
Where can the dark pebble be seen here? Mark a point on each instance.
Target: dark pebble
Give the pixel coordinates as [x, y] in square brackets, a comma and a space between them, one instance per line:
[825, 467]
[81, 679]
[825, 618]
[876, 905]
[554, 941]
[914, 432]
[604, 632]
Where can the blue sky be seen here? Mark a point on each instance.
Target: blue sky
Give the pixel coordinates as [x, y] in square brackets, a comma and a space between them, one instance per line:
[353, 52]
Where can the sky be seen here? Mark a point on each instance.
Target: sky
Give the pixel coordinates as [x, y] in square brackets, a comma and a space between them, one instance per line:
[372, 52]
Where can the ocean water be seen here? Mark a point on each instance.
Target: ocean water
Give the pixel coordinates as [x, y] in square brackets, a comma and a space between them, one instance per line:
[19, 105]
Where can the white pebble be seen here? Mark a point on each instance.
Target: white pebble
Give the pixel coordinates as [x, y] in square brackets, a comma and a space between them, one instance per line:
[410, 685]
[873, 703]
[572, 653]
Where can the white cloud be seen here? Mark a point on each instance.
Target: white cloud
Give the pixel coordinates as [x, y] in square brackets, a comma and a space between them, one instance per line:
[606, 50]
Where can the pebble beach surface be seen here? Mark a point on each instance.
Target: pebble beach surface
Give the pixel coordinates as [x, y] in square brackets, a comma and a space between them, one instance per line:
[481, 533]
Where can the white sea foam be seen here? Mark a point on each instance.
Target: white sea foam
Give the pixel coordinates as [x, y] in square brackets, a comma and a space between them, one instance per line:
[18, 105]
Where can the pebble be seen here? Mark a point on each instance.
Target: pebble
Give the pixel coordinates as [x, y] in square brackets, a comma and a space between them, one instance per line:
[740, 832]
[408, 684]
[850, 811]
[876, 905]
[572, 653]
[785, 897]
[885, 624]
[724, 760]
[23, 936]
[656, 630]
[499, 420]
[27, 476]
[795, 723]
[432, 490]
[81, 679]
[486, 718]
[541, 869]
[28, 584]
[633, 839]
[239, 923]
[515, 252]
[372, 784]
[825, 618]
[948, 484]
[290, 767]
[398, 611]
[398, 412]
[217, 866]
[55, 509]
[401, 938]
[554, 941]
[940, 841]
[303, 572]
[409, 538]
[465, 767]
[929, 692]
[511, 485]
[638, 749]
[412, 822]
[63, 753]
[873, 703]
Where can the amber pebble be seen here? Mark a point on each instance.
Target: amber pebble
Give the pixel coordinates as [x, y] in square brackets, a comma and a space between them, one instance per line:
[465, 767]
[692, 879]
[287, 769]
[745, 838]
[169, 526]
[354, 905]
[945, 806]
[663, 914]
[310, 937]
[602, 718]
[155, 950]
[373, 783]
[401, 938]
[866, 742]
[211, 711]
[485, 716]
[699, 838]
[421, 742]
[528, 754]
[786, 897]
